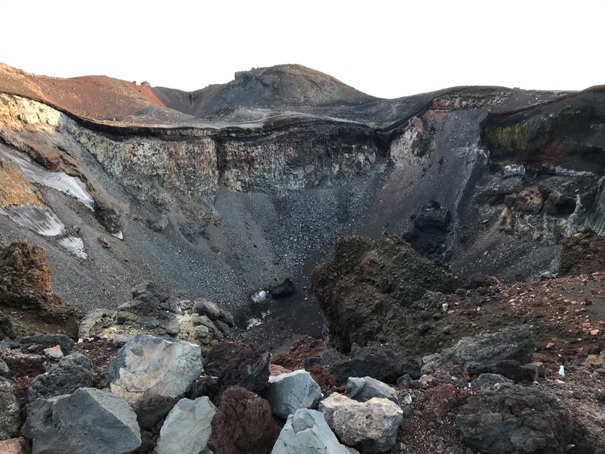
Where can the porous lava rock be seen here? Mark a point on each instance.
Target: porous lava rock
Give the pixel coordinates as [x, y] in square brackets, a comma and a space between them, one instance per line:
[515, 419]
[243, 424]
[238, 364]
[367, 290]
[301, 350]
[26, 296]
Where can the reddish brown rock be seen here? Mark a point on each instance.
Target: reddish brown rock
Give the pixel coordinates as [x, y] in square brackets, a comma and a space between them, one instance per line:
[275, 370]
[24, 268]
[25, 290]
[243, 424]
[237, 364]
[322, 377]
[304, 348]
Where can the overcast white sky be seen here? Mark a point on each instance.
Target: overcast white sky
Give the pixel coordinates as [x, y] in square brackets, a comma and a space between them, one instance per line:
[384, 48]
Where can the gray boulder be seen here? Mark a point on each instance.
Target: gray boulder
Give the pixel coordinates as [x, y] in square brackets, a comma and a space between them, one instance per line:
[370, 427]
[89, 421]
[10, 413]
[363, 389]
[146, 366]
[478, 353]
[306, 432]
[73, 371]
[187, 427]
[492, 422]
[292, 391]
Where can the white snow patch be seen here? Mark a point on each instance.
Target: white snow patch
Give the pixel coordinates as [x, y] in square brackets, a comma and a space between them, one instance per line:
[74, 245]
[259, 296]
[119, 235]
[511, 170]
[253, 322]
[43, 221]
[37, 218]
[60, 181]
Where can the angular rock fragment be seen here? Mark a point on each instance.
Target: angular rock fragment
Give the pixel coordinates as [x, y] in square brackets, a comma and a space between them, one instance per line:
[370, 427]
[363, 389]
[187, 427]
[89, 421]
[146, 366]
[290, 392]
[73, 371]
[243, 424]
[306, 432]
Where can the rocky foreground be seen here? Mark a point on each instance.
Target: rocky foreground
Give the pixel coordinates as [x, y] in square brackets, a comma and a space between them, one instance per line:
[160, 375]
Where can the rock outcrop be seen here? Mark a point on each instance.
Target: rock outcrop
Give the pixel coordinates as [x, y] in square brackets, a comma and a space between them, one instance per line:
[26, 296]
[367, 290]
[155, 313]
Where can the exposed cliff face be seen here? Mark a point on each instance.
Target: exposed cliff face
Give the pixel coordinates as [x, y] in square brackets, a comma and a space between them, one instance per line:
[227, 190]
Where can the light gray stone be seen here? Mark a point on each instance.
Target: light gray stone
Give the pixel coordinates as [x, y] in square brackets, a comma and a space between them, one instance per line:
[363, 389]
[89, 421]
[370, 426]
[10, 414]
[146, 366]
[187, 427]
[4, 370]
[289, 392]
[306, 432]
